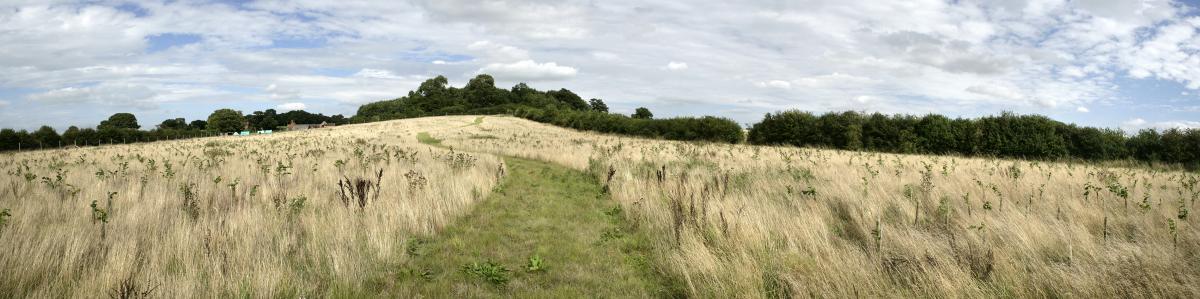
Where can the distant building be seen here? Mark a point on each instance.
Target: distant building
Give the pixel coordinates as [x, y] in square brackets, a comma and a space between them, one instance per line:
[293, 126]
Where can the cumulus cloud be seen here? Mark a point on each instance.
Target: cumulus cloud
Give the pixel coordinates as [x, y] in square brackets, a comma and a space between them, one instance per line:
[1082, 109]
[528, 70]
[291, 106]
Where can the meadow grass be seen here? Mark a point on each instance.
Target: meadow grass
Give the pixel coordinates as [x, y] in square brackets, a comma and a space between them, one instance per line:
[544, 213]
[266, 216]
[230, 216]
[761, 221]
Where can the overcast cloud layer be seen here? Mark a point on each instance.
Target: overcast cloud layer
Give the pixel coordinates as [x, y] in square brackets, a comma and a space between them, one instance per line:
[1120, 64]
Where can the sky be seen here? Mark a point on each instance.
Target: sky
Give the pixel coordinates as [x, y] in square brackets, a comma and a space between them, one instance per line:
[1118, 64]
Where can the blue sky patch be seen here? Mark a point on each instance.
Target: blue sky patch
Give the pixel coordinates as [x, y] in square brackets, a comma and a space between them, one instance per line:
[168, 40]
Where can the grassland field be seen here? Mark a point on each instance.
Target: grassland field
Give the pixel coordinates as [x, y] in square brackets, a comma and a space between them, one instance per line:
[496, 206]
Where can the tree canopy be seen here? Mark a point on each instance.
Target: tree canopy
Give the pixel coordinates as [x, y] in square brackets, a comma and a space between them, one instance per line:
[1004, 135]
[120, 121]
[225, 120]
[642, 113]
[560, 107]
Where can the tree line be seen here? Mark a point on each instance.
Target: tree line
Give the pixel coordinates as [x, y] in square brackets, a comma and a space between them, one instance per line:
[1005, 135]
[124, 128]
[559, 107]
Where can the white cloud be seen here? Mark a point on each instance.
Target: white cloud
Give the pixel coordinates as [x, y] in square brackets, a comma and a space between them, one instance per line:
[1082, 109]
[497, 51]
[528, 70]
[998, 91]
[1133, 125]
[1136, 122]
[677, 66]
[605, 56]
[775, 84]
[439, 62]
[291, 106]
[376, 74]
[109, 94]
[4, 104]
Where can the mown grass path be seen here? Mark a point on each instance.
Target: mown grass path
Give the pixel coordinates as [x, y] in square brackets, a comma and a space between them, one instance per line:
[540, 213]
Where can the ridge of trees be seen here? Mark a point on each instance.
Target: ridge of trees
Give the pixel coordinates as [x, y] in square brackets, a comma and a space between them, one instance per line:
[1006, 135]
[124, 128]
[560, 107]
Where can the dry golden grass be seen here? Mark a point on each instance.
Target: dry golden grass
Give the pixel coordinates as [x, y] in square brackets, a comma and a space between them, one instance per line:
[246, 234]
[725, 220]
[751, 221]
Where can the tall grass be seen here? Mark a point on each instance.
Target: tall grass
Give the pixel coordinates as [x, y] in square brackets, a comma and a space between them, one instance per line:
[752, 221]
[230, 216]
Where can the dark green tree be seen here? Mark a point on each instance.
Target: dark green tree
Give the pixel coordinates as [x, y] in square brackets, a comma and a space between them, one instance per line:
[936, 134]
[173, 124]
[71, 135]
[642, 113]
[598, 105]
[46, 137]
[569, 99]
[120, 121]
[198, 124]
[225, 120]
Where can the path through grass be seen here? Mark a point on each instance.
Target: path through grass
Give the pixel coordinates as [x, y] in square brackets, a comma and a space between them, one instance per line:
[547, 232]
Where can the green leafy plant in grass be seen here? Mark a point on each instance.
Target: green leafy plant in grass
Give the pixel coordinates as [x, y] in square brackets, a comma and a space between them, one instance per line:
[1089, 189]
[98, 214]
[413, 246]
[809, 192]
[101, 215]
[1120, 191]
[536, 264]
[489, 271]
[611, 234]
[191, 205]
[296, 205]
[5, 214]
[1145, 205]
[168, 171]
